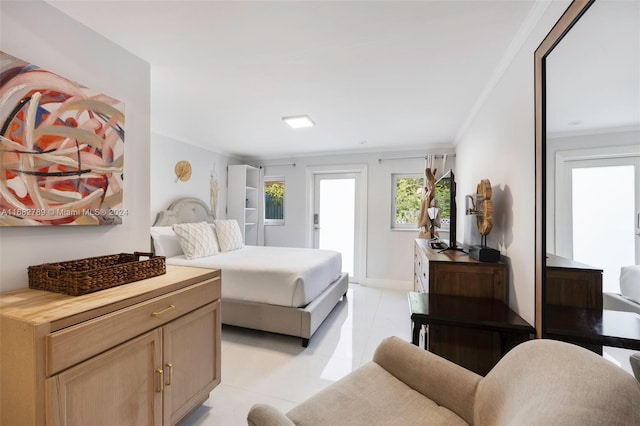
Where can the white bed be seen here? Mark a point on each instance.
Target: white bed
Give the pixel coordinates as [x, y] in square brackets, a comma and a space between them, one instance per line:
[277, 289]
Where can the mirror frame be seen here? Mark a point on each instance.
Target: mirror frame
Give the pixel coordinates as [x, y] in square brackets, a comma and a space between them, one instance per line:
[568, 19]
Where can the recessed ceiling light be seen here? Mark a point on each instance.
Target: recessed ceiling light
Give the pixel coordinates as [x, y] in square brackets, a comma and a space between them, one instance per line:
[574, 123]
[298, 121]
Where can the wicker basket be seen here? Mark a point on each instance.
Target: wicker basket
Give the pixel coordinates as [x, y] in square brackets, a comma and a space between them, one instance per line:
[82, 276]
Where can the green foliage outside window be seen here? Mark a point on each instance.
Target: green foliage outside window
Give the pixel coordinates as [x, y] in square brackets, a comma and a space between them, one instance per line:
[443, 196]
[408, 199]
[274, 200]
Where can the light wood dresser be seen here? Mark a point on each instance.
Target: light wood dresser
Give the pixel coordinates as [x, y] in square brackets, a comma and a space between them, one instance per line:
[144, 353]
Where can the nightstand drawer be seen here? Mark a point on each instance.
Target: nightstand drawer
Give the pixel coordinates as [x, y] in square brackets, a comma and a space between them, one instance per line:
[75, 344]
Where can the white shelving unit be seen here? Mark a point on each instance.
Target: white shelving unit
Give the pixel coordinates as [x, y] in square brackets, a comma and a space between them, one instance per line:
[244, 201]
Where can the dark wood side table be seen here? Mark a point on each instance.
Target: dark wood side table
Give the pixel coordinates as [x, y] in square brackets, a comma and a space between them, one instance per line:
[484, 315]
[570, 283]
[593, 328]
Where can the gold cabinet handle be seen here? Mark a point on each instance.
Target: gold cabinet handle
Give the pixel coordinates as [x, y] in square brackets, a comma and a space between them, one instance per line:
[160, 372]
[170, 367]
[162, 311]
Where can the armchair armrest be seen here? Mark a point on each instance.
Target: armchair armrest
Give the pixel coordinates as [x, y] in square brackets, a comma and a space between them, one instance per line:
[634, 359]
[445, 383]
[617, 302]
[266, 415]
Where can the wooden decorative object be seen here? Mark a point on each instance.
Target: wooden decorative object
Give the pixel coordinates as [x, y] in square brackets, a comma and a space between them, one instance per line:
[183, 170]
[484, 221]
[485, 207]
[425, 222]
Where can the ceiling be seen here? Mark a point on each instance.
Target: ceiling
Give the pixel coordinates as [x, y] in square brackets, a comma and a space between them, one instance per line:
[374, 76]
[593, 74]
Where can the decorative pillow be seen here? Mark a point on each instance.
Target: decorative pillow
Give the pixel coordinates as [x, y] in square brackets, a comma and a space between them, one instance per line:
[197, 239]
[229, 235]
[165, 241]
[630, 282]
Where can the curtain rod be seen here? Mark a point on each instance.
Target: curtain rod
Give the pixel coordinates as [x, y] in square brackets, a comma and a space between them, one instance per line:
[380, 160]
[279, 165]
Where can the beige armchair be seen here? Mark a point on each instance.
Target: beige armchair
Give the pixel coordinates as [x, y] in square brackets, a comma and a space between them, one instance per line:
[540, 382]
[635, 365]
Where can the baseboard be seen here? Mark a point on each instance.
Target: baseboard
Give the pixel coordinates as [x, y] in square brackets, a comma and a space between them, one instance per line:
[390, 284]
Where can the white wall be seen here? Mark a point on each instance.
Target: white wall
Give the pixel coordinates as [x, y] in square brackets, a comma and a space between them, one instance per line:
[38, 33]
[389, 253]
[165, 153]
[499, 145]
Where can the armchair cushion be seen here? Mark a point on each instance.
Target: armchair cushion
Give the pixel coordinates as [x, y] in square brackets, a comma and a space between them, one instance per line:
[370, 395]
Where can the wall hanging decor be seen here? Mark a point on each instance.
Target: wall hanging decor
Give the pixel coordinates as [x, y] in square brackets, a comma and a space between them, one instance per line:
[183, 171]
[213, 194]
[61, 150]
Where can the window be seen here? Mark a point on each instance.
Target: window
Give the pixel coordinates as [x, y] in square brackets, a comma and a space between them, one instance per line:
[273, 201]
[407, 197]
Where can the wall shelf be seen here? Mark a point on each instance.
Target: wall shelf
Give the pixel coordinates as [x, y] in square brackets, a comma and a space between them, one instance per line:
[244, 201]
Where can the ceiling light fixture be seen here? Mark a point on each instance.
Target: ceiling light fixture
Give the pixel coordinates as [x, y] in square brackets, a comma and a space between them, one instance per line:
[298, 121]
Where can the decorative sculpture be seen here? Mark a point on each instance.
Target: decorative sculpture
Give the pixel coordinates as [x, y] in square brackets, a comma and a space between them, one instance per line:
[428, 218]
[485, 210]
[484, 219]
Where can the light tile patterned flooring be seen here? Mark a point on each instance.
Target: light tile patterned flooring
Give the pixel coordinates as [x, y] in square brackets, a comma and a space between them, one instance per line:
[269, 368]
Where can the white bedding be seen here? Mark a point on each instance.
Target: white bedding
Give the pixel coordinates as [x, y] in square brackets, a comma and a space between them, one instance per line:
[275, 275]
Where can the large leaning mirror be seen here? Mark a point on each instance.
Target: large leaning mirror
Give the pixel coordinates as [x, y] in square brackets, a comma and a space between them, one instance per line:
[588, 178]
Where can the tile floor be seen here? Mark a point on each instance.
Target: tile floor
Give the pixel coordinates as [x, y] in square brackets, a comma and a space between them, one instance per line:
[275, 369]
[260, 367]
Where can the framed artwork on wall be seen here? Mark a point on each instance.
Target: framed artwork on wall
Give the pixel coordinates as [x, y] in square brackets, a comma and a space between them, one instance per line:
[61, 150]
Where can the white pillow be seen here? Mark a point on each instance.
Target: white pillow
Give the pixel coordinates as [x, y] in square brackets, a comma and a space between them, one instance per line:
[196, 239]
[229, 235]
[165, 241]
[630, 282]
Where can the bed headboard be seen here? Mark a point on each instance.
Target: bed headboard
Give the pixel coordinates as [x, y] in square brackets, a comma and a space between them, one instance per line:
[184, 210]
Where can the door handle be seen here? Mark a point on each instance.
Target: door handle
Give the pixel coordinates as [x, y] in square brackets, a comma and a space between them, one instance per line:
[170, 367]
[163, 311]
[160, 373]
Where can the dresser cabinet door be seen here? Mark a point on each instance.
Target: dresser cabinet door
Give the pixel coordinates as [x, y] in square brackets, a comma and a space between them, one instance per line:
[119, 387]
[191, 360]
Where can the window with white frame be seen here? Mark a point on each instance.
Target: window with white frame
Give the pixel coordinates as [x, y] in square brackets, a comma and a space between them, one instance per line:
[406, 198]
[274, 200]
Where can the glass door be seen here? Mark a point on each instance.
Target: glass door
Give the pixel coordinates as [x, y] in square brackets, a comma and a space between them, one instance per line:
[600, 207]
[334, 217]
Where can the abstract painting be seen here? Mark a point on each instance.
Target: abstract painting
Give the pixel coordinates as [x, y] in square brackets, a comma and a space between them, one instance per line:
[61, 150]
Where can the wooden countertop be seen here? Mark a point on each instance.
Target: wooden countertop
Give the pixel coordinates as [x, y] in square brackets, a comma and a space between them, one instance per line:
[554, 261]
[40, 307]
[455, 256]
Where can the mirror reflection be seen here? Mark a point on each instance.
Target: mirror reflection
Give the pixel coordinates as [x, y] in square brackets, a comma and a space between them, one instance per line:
[593, 159]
